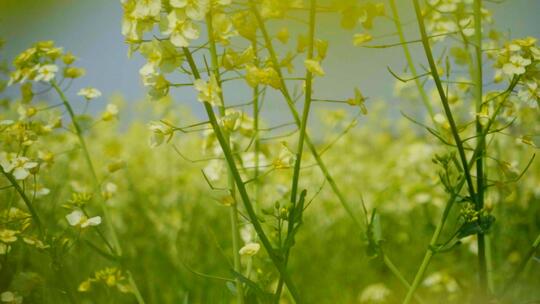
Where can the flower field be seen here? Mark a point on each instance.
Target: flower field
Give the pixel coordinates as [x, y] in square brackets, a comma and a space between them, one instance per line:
[240, 177]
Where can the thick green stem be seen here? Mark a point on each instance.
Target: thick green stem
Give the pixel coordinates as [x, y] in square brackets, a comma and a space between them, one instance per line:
[301, 140]
[234, 207]
[480, 187]
[96, 185]
[395, 271]
[444, 99]
[276, 259]
[435, 237]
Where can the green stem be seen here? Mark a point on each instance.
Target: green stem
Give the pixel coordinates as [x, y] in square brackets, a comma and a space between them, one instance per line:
[301, 140]
[234, 207]
[290, 103]
[276, 259]
[478, 88]
[514, 278]
[444, 100]
[410, 62]
[25, 198]
[395, 271]
[435, 237]
[257, 139]
[86, 153]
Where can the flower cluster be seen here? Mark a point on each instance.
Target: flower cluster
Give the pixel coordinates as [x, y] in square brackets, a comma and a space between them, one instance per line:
[519, 58]
[447, 17]
[38, 64]
[110, 277]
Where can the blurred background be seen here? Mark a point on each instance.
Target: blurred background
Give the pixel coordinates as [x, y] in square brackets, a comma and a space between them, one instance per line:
[91, 30]
[167, 216]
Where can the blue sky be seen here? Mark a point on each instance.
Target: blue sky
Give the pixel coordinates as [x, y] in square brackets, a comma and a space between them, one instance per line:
[91, 30]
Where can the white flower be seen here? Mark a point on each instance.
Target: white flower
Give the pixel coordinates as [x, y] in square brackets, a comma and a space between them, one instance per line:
[78, 218]
[516, 65]
[208, 91]
[89, 93]
[180, 28]
[529, 93]
[250, 249]
[285, 158]
[147, 8]
[19, 167]
[375, 293]
[194, 9]
[159, 133]
[46, 72]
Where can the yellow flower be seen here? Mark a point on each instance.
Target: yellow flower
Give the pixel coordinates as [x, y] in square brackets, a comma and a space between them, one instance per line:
[8, 235]
[285, 158]
[361, 38]
[84, 286]
[283, 35]
[266, 76]
[223, 28]
[68, 58]
[314, 67]
[73, 72]
[358, 100]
